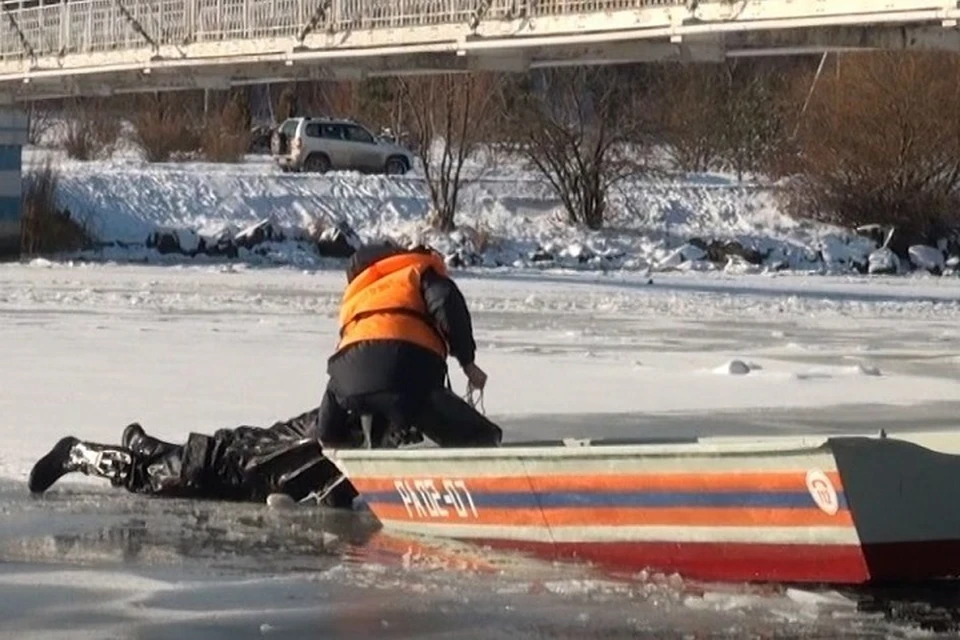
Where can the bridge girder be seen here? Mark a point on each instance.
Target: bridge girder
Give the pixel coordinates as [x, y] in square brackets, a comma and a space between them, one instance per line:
[170, 70]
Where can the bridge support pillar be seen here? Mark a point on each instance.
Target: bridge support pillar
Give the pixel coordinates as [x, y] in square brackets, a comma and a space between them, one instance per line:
[13, 137]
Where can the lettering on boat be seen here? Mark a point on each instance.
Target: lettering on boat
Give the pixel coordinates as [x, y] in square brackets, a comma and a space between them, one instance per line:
[822, 491]
[428, 498]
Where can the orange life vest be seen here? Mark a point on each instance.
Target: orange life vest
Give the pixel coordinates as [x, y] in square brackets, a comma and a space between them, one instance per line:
[384, 303]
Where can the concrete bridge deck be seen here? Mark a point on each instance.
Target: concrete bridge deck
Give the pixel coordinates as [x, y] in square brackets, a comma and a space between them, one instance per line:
[52, 48]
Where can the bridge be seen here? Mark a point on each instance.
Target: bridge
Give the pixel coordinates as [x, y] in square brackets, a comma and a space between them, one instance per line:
[57, 48]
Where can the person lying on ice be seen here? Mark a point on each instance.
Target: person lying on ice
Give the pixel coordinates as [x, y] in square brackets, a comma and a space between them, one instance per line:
[400, 316]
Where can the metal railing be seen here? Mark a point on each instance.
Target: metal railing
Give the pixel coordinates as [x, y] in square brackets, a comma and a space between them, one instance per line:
[40, 28]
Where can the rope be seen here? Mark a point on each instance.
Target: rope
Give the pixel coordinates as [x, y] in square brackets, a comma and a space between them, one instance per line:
[474, 398]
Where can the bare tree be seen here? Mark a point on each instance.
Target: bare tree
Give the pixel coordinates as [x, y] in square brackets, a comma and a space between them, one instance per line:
[453, 111]
[585, 130]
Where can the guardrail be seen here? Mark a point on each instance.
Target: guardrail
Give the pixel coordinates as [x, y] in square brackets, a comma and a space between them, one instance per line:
[40, 28]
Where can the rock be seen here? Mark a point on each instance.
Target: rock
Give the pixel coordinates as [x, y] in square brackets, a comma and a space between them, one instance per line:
[189, 241]
[926, 257]
[542, 255]
[220, 245]
[263, 231]
[673, 260]
[846, 252]
[737, 265]
[877, 233]
[578, 252]
[338, 241]
[692, 252]
[719, 251]
[686, 253]
[883, 261]
[952, 247]
[778, 265]
[733, 368]
[867, 369]
[463, 257]
[164, 241]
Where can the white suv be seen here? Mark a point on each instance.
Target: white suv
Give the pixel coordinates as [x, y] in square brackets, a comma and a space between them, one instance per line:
[325, 144]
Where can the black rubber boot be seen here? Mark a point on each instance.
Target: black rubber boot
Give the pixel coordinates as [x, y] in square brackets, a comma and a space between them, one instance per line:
[136, 439]
[71, 455]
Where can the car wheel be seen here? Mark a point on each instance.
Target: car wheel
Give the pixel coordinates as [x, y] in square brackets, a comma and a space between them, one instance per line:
[396, 167]
[317, 163]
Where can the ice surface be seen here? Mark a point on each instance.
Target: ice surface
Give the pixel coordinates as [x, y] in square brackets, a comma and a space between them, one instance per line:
[90, 348]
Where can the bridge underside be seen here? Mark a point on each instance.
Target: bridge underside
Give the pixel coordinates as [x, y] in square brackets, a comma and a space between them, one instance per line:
[229, 64]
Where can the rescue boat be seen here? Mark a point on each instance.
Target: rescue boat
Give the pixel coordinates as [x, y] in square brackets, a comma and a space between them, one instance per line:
[848, 509]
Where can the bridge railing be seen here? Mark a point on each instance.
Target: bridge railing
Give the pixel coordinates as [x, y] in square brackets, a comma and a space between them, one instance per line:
[39, 28]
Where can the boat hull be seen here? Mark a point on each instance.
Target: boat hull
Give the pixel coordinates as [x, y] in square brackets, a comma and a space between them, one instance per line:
[835, 510]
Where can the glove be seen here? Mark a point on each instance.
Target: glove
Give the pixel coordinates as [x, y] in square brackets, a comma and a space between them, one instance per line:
[476, 376]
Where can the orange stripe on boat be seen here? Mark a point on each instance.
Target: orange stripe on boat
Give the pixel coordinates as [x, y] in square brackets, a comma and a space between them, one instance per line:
[754, 482]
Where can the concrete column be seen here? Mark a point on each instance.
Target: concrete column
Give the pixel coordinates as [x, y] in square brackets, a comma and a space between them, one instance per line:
[13, 137]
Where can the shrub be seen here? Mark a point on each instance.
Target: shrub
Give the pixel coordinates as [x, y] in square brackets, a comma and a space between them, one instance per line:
[164, 129]
[44, 228]
[226, 136]
[91, 130]
[880, 143]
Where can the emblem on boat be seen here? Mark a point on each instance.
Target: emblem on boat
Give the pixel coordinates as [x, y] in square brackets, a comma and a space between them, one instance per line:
[822, 491]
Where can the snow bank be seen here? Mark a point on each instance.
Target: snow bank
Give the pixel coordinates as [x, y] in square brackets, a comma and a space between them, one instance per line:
[509, 218]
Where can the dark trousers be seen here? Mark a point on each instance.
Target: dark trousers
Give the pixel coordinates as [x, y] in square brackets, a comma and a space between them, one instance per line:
[246, 463]
[440, 415]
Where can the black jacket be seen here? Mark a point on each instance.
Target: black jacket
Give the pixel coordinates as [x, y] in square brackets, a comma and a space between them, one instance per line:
[394, 365]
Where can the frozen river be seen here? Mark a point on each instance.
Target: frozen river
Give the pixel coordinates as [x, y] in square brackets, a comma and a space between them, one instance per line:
[88, 349]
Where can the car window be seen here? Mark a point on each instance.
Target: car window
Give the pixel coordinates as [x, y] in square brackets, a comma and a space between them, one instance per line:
[312, 130]
[289, 128]
[358, 134]
[332, 131]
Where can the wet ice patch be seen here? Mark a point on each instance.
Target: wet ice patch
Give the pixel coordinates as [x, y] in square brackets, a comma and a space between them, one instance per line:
[831, 599]
[859, 369]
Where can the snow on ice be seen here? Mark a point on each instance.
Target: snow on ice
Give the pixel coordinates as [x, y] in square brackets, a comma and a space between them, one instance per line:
[89, 348]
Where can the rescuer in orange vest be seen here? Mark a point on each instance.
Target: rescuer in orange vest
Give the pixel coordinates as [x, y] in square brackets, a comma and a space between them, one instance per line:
[401, 316]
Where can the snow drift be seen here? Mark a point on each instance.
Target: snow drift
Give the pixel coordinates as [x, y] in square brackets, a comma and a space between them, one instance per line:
[509, 218]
